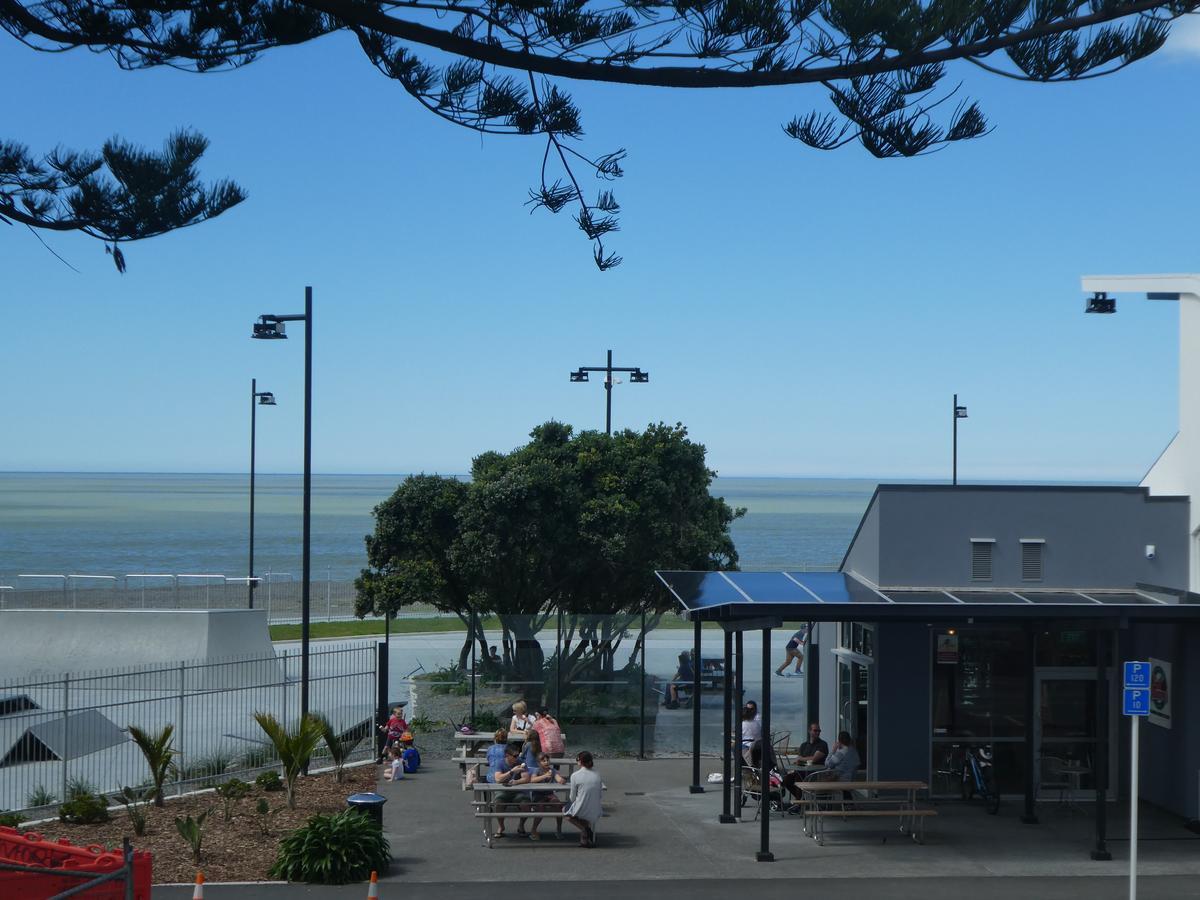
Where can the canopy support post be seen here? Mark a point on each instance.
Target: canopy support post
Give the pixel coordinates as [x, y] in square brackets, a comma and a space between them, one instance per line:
[766, 757]
[727, 743]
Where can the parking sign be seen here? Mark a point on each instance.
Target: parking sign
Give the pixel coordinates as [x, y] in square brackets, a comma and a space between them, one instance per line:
[1137, 675]
[1136, 702]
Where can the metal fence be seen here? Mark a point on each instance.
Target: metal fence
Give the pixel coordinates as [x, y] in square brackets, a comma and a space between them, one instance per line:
[279, 593]
[69, 733]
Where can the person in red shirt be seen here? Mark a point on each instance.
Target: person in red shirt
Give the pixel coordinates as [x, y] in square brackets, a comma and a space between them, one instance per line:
[395, 727]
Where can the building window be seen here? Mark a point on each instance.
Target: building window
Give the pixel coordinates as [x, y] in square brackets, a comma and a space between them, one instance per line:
[981, 559]
[1031, 559]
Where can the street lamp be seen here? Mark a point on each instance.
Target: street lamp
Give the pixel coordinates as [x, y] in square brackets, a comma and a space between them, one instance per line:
[257, 398]
[960, 412]
[271, 327]
[636, 376]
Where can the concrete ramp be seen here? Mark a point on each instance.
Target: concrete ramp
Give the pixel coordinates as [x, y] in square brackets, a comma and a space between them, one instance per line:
[49, 643]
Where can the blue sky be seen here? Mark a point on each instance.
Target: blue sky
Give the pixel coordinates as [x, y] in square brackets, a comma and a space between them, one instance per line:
[803, 313]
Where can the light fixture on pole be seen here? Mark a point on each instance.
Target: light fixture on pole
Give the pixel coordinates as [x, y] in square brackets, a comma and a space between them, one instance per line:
[271, 327]
[257, 398]
[1100, 302]
[960, 412]
[636, 376]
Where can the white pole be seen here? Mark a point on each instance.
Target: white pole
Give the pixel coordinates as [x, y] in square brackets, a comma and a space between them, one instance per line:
[1133, 805]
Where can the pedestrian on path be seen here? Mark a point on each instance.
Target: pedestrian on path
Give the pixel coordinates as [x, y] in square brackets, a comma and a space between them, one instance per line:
[795, 650]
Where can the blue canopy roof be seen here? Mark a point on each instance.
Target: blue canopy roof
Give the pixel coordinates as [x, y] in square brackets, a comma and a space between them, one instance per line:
[841, 596]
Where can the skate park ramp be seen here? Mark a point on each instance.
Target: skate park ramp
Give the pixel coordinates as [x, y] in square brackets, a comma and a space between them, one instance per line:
[37, 643]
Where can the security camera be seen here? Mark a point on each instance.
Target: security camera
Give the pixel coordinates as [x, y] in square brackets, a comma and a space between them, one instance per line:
[1150, 554]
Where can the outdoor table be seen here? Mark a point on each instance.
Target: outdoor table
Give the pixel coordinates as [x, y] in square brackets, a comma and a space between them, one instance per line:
[470, 743]
[1074, 773]
[903, 806]
[485, 794]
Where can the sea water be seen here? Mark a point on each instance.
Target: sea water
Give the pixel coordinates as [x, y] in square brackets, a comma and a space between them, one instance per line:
[119, 524]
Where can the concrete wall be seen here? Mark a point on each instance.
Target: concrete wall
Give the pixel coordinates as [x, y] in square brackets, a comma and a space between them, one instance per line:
[900, 706]
[1170, 758]
[863, 556]
[49, 643]
[1095, 537]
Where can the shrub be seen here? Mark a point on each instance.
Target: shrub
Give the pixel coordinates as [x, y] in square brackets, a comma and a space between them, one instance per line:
[487, 720]
[80, 787]
[40, 796]
[207, 769]
[231, 792]
[192, 831]
[423, 724]
[11, 819]
[295, 748]
[269, 781]
[264, 813]
[134, 800]
[160, 756]
[258, 756]
[339, 746]
[448, 680]
[84, 809]
[334, 849]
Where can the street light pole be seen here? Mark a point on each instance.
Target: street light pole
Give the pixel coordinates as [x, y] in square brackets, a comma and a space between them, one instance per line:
[257, 398]
[636, 376]
[960, 412]
[271, 327]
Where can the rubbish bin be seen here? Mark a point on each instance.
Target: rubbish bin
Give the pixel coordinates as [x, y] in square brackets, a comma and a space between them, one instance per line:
[370, 805]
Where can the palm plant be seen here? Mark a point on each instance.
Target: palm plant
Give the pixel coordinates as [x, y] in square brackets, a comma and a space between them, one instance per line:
[340, 746]
[294, 748]
[160, 756]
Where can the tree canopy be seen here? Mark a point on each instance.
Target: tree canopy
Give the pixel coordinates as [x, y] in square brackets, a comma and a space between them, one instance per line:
[498, 66]
[570, 523]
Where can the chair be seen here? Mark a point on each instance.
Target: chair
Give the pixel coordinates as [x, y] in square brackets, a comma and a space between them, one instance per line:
[781, 743]
[1051, 778]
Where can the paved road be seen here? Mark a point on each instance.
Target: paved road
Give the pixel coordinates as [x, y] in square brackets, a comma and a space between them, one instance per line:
[1173, 887]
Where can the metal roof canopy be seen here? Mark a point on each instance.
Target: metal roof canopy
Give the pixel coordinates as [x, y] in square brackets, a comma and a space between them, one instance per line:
[841, 596]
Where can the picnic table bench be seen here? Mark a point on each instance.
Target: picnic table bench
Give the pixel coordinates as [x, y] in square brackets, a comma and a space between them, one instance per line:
[486, 805]
[824, 800]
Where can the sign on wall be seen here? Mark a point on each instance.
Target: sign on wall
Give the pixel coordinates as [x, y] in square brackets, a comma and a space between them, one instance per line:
[947, 649]
[1160, 692]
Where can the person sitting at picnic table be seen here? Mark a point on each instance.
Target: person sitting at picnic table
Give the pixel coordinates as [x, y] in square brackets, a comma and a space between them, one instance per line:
[521, 721]
[550, 733]
[495, 753]
[751, 729]
[531, 750]
[844, 758]
[512, 772]
[684, 675]
[587, 790]
[812, 752]
[543, 773]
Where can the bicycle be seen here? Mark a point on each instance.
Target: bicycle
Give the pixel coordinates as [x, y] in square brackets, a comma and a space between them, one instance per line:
[971, 767]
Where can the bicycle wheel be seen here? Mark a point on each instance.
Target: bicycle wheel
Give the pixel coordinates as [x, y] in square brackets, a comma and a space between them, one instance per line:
[967, 785]
[993, 802]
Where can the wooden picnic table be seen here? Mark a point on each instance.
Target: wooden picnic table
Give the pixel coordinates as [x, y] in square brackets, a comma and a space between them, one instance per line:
[827, 799]
[478, 763]
[487, 794]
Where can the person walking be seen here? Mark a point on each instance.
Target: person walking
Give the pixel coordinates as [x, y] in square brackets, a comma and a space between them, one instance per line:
[587, 790]
[795, 650]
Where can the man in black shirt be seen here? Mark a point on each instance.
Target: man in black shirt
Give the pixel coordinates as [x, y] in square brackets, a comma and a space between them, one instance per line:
[813, 752]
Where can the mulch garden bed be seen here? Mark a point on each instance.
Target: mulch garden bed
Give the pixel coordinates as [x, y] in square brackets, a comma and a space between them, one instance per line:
[242, 849]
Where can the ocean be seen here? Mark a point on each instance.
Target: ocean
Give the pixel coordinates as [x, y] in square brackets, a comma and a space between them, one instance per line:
[119, 524]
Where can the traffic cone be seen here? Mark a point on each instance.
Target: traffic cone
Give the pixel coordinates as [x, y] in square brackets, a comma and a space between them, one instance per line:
[373, 890]
[198, 890]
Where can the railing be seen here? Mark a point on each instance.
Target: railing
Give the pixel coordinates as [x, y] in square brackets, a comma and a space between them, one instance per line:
[279, 593]
[62, 735]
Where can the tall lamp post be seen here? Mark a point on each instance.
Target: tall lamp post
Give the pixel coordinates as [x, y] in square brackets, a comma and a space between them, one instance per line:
[271, 327]
[257, 398]
[960, 412]
[636, 376]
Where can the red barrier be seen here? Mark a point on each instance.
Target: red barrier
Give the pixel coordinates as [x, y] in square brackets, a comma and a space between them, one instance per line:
[31, 849]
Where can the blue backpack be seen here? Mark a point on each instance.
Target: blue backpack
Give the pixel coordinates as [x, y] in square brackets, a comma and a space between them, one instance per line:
[411, 759]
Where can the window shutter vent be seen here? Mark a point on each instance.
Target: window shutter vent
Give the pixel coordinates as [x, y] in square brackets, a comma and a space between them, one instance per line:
[1031, 561]
[981, 561]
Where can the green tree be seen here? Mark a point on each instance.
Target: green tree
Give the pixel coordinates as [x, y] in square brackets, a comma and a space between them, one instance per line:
[501, 65]
[576, 523]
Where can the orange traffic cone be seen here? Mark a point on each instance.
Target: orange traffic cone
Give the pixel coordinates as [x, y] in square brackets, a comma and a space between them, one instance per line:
[198, 890]
[373, 890]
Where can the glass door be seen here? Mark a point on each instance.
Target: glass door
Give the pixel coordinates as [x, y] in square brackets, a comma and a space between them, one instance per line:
[1065, 729]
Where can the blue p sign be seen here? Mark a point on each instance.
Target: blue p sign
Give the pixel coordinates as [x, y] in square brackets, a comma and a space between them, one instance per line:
[1137, 675]
[1136, 702]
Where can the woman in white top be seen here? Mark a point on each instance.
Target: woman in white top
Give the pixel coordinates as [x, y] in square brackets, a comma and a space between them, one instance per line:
[522, 719]
[751, 729]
